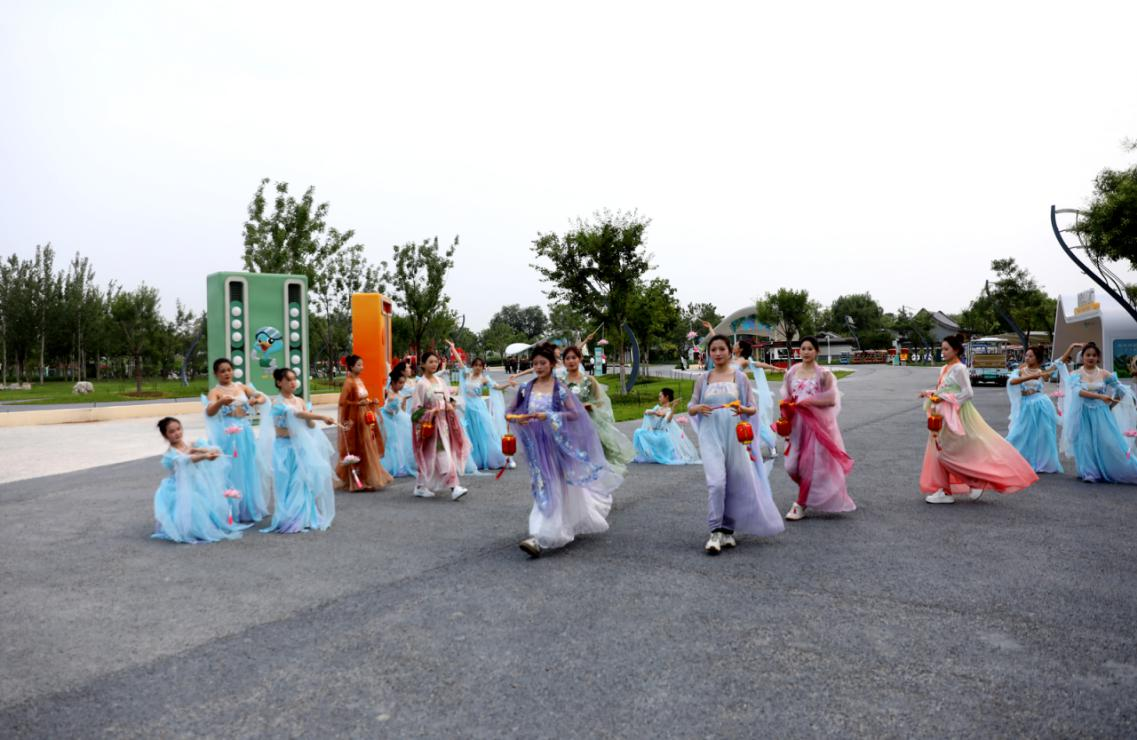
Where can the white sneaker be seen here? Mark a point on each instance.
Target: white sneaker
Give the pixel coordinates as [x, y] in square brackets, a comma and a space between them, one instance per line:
[975, 494]
[796, 512]
[714, 544]
[458, 492]
[939, 497]
[727, 540]
[423, 492]
[511, 464]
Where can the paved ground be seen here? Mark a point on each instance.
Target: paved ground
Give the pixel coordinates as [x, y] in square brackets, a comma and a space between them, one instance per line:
[1010, 616]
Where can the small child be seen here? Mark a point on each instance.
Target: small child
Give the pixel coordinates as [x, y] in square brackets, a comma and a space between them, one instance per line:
[661, 440]
[190, 504]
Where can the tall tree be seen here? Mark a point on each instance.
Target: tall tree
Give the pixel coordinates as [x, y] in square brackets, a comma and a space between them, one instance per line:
[790, 311]
[529, 321]
[141, 326]
[596, 265]
[654, 314]
[499, 335]
[44, 296]
[1017, 292]
[417, 280]
[567, 322]
[345, 273]
[82, 303]
[1108, 226]
[867, 317]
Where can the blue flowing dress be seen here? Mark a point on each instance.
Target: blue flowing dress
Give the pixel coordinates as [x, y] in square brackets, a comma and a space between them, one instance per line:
[1034, 425]
[1090, 432]
[399, 454]
[485, 440]
[190, 503]
[660, 440]
[235, 436]
[300, 468]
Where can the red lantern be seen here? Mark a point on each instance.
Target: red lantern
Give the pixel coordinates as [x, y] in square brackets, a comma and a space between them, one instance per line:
[787, 408]
[935, 422]
[782, 426]
[426, 429]
[509, 445]
[744, 432]
[369, 417]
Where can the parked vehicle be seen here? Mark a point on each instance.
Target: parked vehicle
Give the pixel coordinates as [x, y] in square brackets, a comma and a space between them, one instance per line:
[988, 360]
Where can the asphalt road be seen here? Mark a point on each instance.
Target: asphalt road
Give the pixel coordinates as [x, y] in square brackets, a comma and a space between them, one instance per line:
[1006, 617]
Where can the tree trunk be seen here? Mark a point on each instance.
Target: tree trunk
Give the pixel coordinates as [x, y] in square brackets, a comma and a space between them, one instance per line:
[138, 373]
[42, 348]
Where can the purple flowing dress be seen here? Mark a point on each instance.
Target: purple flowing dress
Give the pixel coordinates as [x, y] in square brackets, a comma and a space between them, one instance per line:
[572, 482]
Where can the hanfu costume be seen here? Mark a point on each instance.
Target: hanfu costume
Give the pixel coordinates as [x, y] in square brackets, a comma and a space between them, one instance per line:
[765, 437]
[190, 503]
[299, 469]
[441, 447]
[739, 499]
[361, 439]
[1033, 429]
[816, 459]
[660, 439]
[572, 482]
[479, 420]
[399, 454]
[231, 430]
[618, 449]
[1091, 433]
[966, 454]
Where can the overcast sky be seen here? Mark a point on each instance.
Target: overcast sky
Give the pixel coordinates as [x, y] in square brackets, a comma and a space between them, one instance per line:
[839, 147]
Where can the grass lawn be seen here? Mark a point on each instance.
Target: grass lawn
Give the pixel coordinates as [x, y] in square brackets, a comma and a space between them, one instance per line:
[631, 407]
[108, 391]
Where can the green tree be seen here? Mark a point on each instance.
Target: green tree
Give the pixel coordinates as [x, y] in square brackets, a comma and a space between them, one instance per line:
[82, 306]
[916, 328]
[654, 314]
[869, 324]
[789, 311]
[346, 273]
[1108, 226]
[417, 281]
[1017, 292]
[596, 266]
[140, 323]
[566, 322]
[44, 295]
[529, 321]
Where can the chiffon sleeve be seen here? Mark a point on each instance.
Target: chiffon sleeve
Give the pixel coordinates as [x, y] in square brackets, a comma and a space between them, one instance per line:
[963, 380]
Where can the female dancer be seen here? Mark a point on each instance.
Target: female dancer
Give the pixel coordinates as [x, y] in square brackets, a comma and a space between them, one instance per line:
[739, 498]
[359, 438]
[297, 460]
[559, 369]
[441, 447]
[1034, 421]
[229, 408]
[479, 422]
[618, 449]
[190, 504]
[571, 481]
[1090, 433]
[660, 439]
[966, 456]
[816, 459]
[399, 455]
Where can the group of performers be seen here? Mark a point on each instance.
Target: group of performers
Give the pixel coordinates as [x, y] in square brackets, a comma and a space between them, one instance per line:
[562, 422]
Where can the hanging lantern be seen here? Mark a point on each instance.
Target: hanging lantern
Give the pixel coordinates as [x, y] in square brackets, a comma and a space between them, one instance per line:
[935, 422]
[744, 432]
[426, 429]
[782, 426]
[509, 449]
[788, 408]
[369, 417]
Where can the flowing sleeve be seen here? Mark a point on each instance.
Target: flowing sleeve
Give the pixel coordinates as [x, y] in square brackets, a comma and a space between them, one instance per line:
[1015, 393]
[696, 399]
[214, 425]
[266, 438]
[601, 403]
[1070, 403]
[1125, 412]
[497, 406]
[347, 398]
[827, 396]
[963, 380]
[316, 459]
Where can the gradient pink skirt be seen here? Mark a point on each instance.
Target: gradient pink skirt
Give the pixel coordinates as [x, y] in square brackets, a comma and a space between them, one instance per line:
[978, 459]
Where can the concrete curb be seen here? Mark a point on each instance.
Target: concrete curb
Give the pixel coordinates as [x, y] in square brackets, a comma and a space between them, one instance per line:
[41, 417]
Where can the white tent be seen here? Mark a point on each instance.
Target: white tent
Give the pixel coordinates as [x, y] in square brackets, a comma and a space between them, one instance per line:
[1093, 317]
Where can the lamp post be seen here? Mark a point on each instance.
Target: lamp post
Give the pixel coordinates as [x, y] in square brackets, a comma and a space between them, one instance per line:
[828, 350]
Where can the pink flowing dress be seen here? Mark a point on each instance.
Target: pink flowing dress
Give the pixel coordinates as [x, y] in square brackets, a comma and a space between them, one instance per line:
[971, 455]
[817, 460]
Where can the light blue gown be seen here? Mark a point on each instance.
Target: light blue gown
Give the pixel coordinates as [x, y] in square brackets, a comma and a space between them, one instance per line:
[1034, 425]
[661, 440]
[738, 489]
[1090, 432]
[399, 454]
[299, 469]
[485, 441]
[235, 436]
[190, 503]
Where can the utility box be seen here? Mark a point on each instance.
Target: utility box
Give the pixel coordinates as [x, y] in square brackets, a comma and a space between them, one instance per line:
[260, 322]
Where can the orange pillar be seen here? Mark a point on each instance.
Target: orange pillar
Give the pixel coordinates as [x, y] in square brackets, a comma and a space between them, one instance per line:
[371, 338]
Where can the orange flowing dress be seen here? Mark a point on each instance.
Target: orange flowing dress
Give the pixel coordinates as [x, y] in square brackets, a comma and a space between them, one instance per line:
[361, 439]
